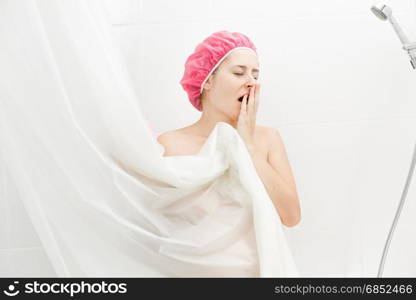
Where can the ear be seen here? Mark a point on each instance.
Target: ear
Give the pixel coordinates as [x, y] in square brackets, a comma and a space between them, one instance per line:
[208, 83]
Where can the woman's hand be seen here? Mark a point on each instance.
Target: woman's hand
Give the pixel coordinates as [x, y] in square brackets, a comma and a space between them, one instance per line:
[246, 124]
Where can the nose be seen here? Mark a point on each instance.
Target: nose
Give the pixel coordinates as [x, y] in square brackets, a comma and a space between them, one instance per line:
[251, 81]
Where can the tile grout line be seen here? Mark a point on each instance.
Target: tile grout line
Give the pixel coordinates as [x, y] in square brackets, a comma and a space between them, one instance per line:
[21, 248]
[348, 120]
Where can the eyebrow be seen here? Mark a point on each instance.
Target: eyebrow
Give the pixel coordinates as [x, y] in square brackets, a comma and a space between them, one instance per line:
[245, 67]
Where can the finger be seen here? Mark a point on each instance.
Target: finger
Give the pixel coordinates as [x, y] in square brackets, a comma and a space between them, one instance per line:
[257, 96]
[255, 101]
[251, 102]
[243, 107]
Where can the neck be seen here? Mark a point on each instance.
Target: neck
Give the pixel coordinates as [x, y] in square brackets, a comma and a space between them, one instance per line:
[209, 119]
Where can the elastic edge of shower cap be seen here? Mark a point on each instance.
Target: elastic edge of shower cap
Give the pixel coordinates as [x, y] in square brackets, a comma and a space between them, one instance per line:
[220, 61]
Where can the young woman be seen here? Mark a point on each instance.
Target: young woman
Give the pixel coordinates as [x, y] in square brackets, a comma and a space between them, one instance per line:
[221, 81]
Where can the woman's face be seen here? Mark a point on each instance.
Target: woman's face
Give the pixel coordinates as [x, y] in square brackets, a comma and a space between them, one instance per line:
[233, 78]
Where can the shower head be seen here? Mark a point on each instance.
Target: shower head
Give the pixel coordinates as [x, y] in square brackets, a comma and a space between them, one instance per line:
[383, 12]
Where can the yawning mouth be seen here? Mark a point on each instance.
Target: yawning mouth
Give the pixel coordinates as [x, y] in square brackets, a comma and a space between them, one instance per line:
[241, 98]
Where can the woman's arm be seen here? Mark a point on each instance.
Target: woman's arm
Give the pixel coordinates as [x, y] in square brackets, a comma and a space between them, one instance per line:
[277, 177]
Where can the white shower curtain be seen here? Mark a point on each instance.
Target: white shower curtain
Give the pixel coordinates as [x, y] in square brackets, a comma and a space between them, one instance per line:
[100, 195]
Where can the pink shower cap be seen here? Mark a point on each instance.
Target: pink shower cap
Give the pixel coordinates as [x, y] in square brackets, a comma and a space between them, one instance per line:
[207, 57]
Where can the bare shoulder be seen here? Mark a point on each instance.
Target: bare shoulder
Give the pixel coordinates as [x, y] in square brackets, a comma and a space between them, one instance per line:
[268, 134]
[168, 137]
[264, 129]
[273, 139]
[179, 142]
[166, 140]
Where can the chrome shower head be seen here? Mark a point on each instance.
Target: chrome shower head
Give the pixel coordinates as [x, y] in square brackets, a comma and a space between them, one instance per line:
[383, 12]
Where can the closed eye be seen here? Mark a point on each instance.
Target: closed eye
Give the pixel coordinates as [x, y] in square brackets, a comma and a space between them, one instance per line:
[240, 74]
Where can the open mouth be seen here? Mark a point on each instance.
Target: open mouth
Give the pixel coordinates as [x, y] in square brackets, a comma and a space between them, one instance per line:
[241, 98]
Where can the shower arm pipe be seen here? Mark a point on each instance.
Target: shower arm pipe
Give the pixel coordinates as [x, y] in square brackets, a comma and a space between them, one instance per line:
[407, 45]
[402, 36]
